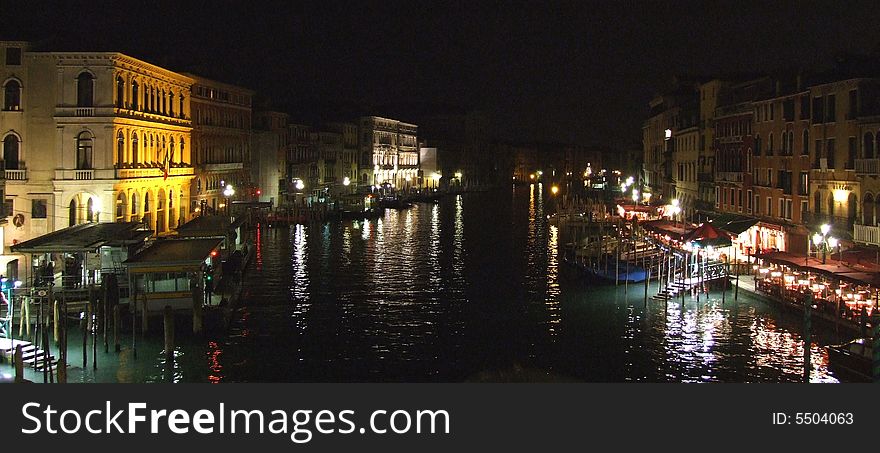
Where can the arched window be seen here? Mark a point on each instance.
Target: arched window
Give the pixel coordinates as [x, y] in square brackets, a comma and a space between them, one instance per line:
[757, 145]
[120, 92]
[71, 213]
[134, 207]
[170, 103]
[831, 204]
[868, 217]
[84, 151]
[85, 90]
[180, 158]
[135, 152]
[11, 152]
[120, 207]
[160, 211]
[12, 95]
[147, 214]
[120, 149]
[134, 95]
[790, 143]
[162, 104]
[805, 146]
[770, 144]
[90, 210]
[171, 150]
[180, 111]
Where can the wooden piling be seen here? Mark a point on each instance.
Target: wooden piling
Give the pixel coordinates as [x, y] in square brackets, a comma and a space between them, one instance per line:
[736, 291]
[116, 319]
[85, 335]
[56, 325]
[18, 359]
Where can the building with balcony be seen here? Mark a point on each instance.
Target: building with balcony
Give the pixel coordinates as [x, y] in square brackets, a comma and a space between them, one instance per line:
[269, 155]
[93, 136]
[221, 142]
[389, 153]
[781, 159]
[841, 162]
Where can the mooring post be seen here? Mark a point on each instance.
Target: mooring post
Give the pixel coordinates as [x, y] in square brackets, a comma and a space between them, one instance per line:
[18, 359]
[808, 308]
[116, 346]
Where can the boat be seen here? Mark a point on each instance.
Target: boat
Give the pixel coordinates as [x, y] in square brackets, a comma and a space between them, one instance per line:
[854, 358]
[633, 274]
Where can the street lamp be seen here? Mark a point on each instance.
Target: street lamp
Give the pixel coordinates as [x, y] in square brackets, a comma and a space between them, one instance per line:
[823, 239]
[834, 243]
[228, 192]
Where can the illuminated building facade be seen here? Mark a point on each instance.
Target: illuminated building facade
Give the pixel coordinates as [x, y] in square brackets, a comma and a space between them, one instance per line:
[389, 153]
[221, 142]
[101, 136]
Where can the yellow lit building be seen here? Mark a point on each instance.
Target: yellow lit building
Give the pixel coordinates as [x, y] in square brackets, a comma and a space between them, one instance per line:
[100, 136]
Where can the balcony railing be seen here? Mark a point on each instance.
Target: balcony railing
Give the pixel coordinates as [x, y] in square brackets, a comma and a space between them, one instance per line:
[152, 172]
[85, 111]
[16, 175]
[866, 234]
[729, 176]
[868, 166]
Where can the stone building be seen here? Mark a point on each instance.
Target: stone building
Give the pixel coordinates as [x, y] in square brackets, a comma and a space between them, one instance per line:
[94, 136]
[389, 153]
[221, 142]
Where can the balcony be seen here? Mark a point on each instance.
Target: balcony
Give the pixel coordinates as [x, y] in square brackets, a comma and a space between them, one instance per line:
[151, 172]
[866, 234]
[82, 175]
[16, 175]
[112, 111]
[868, 166]
[729, 176]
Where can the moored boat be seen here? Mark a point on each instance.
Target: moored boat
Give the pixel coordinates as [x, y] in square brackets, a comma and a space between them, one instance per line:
[854, 358]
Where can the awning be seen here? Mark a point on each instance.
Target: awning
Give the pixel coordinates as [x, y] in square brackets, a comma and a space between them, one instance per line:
[707, 235]
[87, 237]
[173, 255]
[733, 223]
[208, 225]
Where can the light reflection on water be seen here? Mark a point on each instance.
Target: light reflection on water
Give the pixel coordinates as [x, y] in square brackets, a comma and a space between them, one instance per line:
[470, 286]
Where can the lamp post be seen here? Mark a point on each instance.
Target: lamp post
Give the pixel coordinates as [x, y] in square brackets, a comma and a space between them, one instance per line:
[823, 240]
[834, 243]
[228, 192]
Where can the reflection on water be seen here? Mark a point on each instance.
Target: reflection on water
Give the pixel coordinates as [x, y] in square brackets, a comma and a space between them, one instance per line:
[469, 286]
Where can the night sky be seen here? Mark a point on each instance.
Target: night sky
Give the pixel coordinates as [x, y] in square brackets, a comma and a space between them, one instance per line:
[573, 72]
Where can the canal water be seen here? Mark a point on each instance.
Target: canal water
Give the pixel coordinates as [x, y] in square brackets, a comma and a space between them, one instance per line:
[470, 289]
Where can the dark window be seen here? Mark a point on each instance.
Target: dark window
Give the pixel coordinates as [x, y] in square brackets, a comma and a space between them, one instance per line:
[757, 150]
[853, 105]
[135, 158]
[790, 143]
[120, 149]
[818, 111]
[788, 110]
[12, 95]
[85, 90]
[805, 146]
[171, 103]
[84, 151]
[134, 95]
[13, 56]
[120, 93]
[831, 151]
[805, 107]
[38, 209]
[817, 150]
[831, 113]
[804, 183]
[10, 152]
[868, 146]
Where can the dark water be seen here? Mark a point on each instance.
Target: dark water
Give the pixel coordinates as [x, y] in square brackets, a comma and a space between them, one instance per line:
[470, 289]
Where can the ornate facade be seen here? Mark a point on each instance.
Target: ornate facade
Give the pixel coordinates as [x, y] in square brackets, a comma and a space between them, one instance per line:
[389, 153]
[101, 136]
